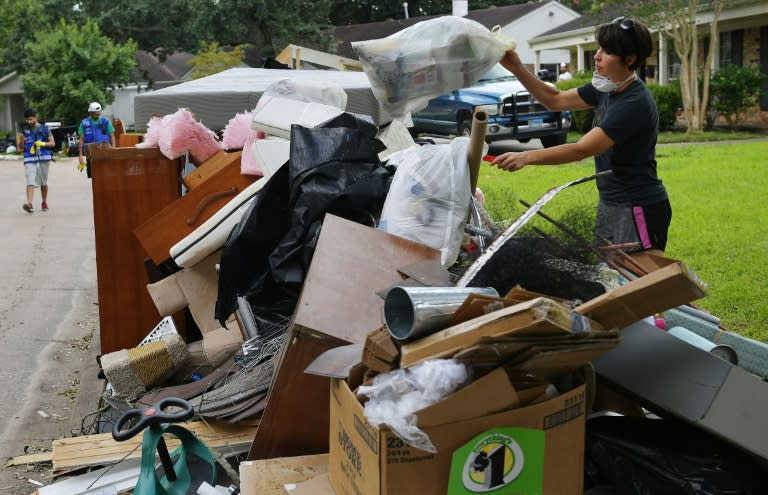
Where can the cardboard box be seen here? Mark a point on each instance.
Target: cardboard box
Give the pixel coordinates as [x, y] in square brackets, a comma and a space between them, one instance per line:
[538, 449]
[661, 289]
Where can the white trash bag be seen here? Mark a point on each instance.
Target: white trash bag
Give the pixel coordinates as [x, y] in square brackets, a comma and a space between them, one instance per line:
[429, 198]
[428, 59]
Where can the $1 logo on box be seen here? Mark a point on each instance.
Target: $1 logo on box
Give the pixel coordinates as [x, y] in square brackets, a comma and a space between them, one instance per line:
[507, 460]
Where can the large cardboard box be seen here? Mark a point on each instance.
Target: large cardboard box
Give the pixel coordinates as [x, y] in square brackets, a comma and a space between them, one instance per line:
[538, 449]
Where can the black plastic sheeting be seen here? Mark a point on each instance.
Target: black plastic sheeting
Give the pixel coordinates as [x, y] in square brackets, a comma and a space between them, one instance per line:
[332, 169]
[641, 456]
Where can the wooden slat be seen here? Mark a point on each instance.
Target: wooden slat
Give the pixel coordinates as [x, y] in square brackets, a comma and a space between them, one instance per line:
[92, 450]
[30, 459]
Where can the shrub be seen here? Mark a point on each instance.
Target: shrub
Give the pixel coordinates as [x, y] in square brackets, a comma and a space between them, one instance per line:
[582, 119]
[734, 90]
[668, 100]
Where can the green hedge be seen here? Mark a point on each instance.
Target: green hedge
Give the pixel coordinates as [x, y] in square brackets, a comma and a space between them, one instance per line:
[667, 97]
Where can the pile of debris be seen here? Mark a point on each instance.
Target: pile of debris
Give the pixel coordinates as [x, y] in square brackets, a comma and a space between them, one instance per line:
[336, 325]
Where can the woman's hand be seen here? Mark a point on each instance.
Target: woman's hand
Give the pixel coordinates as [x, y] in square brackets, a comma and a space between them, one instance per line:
[511, 162]
[510, 60]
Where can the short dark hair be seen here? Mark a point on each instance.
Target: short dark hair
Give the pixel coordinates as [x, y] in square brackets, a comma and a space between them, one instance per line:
[625, 37]
[30, 112]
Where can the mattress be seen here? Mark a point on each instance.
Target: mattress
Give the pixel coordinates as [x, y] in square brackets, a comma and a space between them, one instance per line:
[216, 99]
[213, 233]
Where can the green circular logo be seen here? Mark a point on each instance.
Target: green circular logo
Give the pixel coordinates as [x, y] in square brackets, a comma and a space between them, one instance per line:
[494, 461]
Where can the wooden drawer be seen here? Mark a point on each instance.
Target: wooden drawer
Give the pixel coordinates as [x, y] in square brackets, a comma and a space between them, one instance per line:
[179, 219]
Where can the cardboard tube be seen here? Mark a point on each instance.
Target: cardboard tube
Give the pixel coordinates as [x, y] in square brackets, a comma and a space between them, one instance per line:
[476, 144]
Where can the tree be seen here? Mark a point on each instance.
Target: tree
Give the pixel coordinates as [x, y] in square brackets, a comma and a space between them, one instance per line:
[18, 23]
[363, 11]
[212, 59]
[68, 66]
[678, 21]
[181, 25]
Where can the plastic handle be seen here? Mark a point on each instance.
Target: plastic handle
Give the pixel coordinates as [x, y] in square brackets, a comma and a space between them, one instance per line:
[153, 416]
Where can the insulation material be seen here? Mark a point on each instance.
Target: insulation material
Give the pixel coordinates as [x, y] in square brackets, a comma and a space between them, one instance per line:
[181, 132]
[152, 136]
[239, 135]
[131, 372]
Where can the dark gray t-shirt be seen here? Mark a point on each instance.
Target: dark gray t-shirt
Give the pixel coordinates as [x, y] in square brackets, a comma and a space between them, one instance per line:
[631, 120]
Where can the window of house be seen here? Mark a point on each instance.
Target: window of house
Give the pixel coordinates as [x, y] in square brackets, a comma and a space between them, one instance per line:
[589, 60]
[673, 64]
[731, 47]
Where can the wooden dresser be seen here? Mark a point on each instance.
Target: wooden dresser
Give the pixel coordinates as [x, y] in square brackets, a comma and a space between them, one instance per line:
[130, 185]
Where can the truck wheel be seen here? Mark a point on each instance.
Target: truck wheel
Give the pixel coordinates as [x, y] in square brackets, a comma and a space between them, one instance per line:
[465, 128]
[553, 140]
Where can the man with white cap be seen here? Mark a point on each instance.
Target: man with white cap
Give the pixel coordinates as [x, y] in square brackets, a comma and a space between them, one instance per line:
[93, 129]
[564, 74]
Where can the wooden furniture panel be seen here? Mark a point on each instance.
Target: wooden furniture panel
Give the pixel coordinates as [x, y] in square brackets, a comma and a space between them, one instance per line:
[179, 219]
[212, 165]
[130, 185]
[338, 305]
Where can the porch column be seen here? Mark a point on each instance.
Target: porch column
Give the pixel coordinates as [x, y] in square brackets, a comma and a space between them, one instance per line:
[537, 61]
[580, 67]
[663, 67]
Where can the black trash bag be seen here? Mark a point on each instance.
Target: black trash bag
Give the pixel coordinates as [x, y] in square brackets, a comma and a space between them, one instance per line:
[245, 254]
[640, 456]
[332, 169]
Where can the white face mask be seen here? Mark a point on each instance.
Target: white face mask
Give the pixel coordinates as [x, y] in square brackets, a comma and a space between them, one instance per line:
[605, 85]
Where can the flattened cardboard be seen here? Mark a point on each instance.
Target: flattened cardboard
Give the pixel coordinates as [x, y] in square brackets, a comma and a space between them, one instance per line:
[367, 460]
[269, 477]
[665, 288]
[495, 387]
[540, 316]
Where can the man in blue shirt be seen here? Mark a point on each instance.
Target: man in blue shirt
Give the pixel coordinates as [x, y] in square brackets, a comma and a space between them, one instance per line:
[37, 145]
[93, 129]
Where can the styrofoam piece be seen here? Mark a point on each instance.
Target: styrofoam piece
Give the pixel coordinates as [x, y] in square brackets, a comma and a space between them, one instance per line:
[278, 114]
[271, 154]
[164, 328]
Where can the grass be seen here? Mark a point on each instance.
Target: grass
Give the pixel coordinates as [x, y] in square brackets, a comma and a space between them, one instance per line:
[719, 229]
[681, 137]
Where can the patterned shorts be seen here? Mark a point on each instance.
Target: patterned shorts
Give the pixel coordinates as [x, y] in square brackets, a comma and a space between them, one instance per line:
[647, 224]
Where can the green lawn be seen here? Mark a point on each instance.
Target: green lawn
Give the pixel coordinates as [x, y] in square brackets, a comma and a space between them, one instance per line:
[719, 226]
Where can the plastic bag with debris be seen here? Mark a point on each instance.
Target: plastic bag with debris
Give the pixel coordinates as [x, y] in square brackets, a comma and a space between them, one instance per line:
[428, 59]
[429, 197]
[394, 397]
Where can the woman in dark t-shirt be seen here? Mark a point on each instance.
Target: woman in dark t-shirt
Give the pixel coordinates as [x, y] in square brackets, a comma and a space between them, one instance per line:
[633, 205]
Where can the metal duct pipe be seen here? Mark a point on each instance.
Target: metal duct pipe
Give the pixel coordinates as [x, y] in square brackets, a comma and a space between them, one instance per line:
[413, 312]
[722, 351]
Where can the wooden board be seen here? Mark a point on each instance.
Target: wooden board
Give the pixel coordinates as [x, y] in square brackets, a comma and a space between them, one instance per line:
[179, 219]
[338, 305]
[268, 477]
[93, 450]
[212, 165]
[130, 185]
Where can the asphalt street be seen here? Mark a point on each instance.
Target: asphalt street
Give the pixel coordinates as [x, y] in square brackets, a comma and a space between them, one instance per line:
[48, 317]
